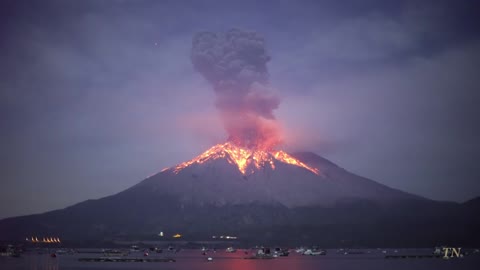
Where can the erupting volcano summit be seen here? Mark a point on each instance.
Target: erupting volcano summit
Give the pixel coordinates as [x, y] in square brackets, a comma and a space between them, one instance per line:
[245, 159]
[235, 63]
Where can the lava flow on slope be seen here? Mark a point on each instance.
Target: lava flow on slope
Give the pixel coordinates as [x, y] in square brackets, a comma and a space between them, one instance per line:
[247, 160]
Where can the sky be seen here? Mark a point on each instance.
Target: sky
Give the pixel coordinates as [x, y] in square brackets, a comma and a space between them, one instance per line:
[97, 95]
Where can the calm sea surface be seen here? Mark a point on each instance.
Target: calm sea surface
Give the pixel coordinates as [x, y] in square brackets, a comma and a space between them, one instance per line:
[193, 259]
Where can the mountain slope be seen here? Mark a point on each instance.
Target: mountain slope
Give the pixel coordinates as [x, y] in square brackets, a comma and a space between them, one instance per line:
[219, 182]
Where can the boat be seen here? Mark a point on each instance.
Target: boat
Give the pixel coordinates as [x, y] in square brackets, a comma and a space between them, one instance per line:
[263, 253]
[281, 252]
[9, 251]
[231, 250]
[300, 250]
[61, 251]
[315, 252]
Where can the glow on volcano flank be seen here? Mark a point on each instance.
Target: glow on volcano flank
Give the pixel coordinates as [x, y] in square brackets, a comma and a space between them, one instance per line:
[245, 159]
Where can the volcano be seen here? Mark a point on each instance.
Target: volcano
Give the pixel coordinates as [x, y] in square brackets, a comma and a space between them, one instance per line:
[229, 174]
[260, 196]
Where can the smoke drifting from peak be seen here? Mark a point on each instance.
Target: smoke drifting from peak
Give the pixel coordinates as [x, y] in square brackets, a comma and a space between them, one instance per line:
[235, 63]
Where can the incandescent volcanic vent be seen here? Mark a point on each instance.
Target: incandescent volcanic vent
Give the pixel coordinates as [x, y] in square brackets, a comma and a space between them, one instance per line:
[247, 160]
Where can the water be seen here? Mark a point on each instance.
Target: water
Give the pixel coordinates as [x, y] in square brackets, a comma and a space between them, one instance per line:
[193, 259]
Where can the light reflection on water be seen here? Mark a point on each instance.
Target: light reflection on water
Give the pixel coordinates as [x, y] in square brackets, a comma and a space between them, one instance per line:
[192, 259]
[38, 262]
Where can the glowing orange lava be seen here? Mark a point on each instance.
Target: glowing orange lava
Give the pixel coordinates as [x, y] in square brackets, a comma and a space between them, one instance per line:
[245, 159]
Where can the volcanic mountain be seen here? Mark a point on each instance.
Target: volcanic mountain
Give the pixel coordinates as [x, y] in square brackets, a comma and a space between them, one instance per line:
[262, 197]
[227, 174]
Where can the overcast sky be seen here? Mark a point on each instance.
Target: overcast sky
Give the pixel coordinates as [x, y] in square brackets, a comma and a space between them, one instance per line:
[97, 95]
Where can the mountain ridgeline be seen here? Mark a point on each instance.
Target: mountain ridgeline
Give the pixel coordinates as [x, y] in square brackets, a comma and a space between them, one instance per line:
[284, 204]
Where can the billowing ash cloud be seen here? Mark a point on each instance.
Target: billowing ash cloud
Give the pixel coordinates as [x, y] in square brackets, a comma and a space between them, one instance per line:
[235, 63]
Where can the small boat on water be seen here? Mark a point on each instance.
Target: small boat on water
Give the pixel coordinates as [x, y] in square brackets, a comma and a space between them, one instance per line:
[10, 251]
[262, 253]
[231, 250]
[300, 250]
[280, 252]
[315, 252]
[134, 248]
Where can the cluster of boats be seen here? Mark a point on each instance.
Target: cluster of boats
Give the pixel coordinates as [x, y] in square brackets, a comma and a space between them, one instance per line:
[135, 249]
[276, 252]
[10, 251]
[314, 251]
[257, 252]
[267, 253]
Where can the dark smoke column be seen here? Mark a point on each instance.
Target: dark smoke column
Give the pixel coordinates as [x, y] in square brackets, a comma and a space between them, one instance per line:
[235, 63]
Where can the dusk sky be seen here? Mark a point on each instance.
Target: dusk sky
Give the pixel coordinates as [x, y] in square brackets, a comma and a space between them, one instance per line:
[97, 95]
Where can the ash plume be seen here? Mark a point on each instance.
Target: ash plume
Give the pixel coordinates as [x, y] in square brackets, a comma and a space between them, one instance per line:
[235, 63]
